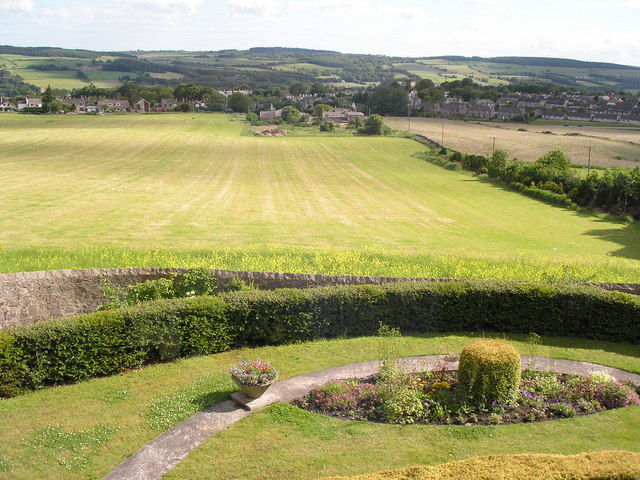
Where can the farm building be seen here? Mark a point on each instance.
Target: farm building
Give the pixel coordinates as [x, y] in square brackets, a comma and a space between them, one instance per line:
[341, 115]
[6, 105]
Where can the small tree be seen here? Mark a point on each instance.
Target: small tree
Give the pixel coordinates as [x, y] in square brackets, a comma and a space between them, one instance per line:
[298, 88]
[48, 97]
[239, 102]
[291, 114]
[356, 123]
[252, 118]
[497, 163]
[320, 108]
[327, 127]
[56, 106]
[374, 125]
[554, 165]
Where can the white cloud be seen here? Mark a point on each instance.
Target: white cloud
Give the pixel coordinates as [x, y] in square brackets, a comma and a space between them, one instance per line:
[124, 13]
[593, 5]
[163, 6]
[258, 8]
[16, 6]
[482, 2]
[629, 4]
[331, 12]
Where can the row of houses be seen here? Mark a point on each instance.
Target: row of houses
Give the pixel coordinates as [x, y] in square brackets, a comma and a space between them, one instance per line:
[337, 115]
[578, 108]
[85, 105]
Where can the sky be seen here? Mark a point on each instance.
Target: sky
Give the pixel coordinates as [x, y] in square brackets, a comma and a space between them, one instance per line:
[592, 30]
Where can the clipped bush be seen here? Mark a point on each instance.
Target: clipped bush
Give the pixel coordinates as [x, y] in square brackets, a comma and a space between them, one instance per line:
[103, 343]
[14, 374]
[489, 373]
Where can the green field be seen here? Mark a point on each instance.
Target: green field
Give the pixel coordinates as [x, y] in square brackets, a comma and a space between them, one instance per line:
[283, 66]
[179, 190]
[64, 79]
[440, 70]
[487, 71]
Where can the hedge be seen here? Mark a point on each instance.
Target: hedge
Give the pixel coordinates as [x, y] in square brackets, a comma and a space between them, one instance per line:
[602, 465]
[103, 343]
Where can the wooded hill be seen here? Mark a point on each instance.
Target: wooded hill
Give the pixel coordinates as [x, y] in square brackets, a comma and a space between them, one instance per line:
[272, 66]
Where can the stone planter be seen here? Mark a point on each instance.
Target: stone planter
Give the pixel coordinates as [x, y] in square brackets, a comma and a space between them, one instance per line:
[253, 391]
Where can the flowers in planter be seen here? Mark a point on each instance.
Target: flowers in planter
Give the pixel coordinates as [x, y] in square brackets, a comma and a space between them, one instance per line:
[254, 373]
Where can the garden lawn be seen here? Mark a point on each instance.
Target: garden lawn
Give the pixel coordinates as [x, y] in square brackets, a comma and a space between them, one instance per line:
[85, 430]
[188, 190]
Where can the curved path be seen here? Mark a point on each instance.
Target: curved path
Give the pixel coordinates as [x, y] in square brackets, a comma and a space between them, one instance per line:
[165, 451]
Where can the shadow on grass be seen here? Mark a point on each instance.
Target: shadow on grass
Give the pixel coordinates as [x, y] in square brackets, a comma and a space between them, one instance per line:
[628, 237]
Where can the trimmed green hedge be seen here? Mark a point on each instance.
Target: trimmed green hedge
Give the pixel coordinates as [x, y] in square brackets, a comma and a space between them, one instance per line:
[103, 343]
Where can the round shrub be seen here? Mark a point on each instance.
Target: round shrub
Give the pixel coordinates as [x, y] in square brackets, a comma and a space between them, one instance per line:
[489, 373]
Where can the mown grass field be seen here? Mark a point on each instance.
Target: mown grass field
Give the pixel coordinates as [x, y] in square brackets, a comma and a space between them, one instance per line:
[440, 70]
[610, 146]
[485, 71]
[85, 430]
[66, 79]
[186, 190]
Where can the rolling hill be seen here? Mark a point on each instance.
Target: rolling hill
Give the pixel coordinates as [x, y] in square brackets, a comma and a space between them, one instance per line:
[255, 67]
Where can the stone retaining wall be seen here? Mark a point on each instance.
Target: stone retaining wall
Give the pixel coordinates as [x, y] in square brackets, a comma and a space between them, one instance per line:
[30, 297]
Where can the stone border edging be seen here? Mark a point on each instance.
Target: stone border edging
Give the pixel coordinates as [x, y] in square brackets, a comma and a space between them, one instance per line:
[164, 452]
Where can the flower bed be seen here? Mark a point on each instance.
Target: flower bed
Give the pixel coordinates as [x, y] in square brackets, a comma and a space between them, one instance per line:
[434, 398]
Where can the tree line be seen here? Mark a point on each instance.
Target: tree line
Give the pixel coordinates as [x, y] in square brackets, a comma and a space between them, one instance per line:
[552, 177]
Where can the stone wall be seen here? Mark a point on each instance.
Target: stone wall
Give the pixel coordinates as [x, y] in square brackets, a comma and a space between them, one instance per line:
[30, 297]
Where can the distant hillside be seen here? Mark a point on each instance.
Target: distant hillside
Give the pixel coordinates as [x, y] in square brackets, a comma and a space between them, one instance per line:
[50, 52]
[595, 76]
[541, 62]
[273, 66]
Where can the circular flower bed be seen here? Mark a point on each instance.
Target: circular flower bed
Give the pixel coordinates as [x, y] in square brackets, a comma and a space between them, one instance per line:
[435, 398]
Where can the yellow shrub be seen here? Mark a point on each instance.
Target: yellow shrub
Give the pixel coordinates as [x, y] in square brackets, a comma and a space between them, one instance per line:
[489, 372]
[604, 465]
